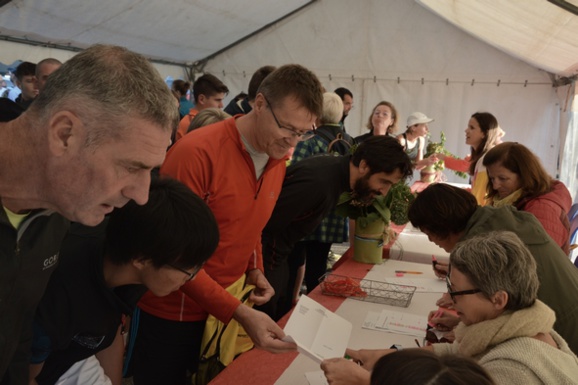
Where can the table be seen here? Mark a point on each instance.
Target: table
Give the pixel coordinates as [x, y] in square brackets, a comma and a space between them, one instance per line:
[258, 367]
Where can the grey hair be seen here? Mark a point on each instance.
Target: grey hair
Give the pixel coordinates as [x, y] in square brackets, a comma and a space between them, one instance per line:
[104, 85]
[332, 108]
[206, 117]
[499, 261]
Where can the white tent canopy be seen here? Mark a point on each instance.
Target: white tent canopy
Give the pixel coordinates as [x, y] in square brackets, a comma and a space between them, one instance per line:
[446, 58]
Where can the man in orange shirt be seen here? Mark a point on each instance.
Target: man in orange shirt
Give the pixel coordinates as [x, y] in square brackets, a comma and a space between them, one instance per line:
[209, 92]
[237, 166]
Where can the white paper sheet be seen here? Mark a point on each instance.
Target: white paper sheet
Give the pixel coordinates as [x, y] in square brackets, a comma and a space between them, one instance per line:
[316, 378]
[318, 333]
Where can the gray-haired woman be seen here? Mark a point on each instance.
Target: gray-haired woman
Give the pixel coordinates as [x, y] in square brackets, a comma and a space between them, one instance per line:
[494, 284]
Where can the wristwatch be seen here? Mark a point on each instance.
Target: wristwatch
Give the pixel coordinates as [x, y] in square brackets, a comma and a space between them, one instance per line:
[396, 347]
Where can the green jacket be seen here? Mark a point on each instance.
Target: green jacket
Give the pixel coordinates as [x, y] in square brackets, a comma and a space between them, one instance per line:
[558, 276]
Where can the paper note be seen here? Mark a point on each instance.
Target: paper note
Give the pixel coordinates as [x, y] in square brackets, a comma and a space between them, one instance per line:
[396, 322]
[316, 378]
[422, 285]
[318, 333]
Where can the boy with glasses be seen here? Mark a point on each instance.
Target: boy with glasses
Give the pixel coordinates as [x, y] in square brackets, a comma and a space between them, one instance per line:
[104, 270]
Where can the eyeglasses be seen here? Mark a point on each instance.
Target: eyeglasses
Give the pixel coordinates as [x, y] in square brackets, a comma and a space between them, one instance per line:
[454, 294]
[190, 275]
[301, 136]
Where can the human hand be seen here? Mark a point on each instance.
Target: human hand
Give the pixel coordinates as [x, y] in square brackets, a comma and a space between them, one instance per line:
[445, 301]
[263, 290]
[440, 269]
[443, 320]
[340, 371]
[432, 159]
[367, 357]
[440, 156]
[262, 330]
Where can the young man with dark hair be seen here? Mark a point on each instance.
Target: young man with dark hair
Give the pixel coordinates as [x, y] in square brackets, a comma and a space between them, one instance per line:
[26, 80]
[245, 105]
[448, 215]
[208, 92]
[311, 190]
[347, 99]
[103, 272]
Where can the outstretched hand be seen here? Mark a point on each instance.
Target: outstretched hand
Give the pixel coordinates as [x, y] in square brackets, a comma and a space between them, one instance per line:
[262, 330]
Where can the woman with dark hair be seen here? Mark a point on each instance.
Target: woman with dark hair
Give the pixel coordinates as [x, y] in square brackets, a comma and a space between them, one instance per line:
[181, 88]
[482, 134]
[517, 178]
[383, 121]
[400, 368]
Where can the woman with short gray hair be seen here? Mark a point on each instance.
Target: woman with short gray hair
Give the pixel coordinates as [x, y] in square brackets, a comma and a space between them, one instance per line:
[494, 284]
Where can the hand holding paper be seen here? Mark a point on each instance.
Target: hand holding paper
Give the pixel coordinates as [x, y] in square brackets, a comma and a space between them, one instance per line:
[318, 333]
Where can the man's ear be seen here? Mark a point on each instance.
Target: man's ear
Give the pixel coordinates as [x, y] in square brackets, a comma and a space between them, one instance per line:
[500, 300]
[201, 100]
[65, 130]
[363, 168]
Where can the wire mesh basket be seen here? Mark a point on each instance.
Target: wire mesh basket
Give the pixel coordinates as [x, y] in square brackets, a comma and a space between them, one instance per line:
[367, 290]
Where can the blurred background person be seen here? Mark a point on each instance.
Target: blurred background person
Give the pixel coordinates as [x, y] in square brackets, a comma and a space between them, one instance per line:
[347, 99]
[383, 121]
[26, 80]
[482, 134]
[181, 88]
[414, 138]
[243, 103]
[43, 69]
[517, 178]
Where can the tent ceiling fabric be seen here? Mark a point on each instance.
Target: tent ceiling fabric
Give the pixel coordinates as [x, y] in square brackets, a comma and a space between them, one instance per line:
[180, 31]
[535, 31]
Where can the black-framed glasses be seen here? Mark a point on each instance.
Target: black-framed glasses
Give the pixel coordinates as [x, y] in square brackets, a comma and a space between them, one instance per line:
[454, 294]
[190, 275]
[301, 136]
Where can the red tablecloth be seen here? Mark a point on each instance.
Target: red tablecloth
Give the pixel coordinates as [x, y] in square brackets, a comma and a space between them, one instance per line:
[258, 367]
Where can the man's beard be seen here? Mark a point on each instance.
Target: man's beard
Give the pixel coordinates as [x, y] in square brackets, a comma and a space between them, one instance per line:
[362, 194]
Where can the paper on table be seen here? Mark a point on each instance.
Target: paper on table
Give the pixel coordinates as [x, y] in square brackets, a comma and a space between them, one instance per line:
[396, 322]
[423, 285]
[318, 333]
[316, 378]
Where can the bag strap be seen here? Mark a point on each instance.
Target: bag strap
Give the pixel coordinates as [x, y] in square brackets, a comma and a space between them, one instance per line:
[218, 347]
[338, 138]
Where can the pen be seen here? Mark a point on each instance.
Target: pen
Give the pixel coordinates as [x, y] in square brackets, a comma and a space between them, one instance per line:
[407, 272]
[417, 343]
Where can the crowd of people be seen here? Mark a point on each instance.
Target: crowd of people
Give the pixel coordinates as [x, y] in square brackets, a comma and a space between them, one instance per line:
[124, 199]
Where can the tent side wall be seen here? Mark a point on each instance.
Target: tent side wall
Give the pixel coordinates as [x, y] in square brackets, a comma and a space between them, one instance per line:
[397, 50]
[12, 51]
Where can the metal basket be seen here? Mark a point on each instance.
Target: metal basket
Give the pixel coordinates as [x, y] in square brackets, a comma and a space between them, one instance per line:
[366, 290]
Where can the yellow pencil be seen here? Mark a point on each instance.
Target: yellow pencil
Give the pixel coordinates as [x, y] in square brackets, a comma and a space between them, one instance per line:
[408, 272]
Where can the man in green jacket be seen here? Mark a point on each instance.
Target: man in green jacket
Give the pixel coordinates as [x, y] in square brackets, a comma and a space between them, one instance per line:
[448, 215]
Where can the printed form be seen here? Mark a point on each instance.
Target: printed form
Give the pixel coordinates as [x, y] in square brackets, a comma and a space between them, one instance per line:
[318, 332]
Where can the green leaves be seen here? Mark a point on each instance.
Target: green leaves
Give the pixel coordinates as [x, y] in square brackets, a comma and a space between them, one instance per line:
[392, 207]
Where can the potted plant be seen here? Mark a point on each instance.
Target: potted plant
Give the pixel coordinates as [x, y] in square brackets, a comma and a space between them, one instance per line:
[372, 219]
[432, 173]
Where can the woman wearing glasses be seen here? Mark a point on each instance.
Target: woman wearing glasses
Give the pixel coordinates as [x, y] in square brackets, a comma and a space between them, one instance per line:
[494, 285]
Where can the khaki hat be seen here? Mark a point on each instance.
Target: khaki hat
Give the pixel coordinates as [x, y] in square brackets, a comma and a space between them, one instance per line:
[418, 118]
